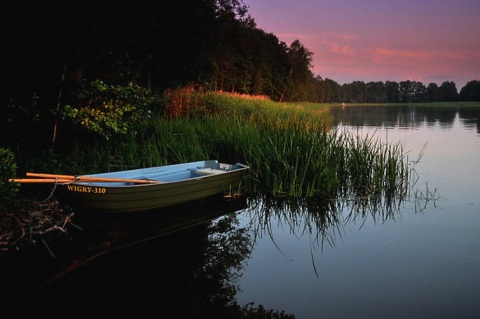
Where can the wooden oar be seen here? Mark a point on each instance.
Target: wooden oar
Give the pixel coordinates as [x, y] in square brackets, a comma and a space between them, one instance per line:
[50, 175]
[39, 180]
[56, 178]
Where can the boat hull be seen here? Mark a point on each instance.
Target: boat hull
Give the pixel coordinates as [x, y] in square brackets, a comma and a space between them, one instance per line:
[173, 184]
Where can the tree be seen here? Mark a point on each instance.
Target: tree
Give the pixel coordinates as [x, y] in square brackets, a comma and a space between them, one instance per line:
[412, 91]
[334, 91]
[320, 90]
[301, 81]
[375, 92]
[419, 92]
[433, 93]
[156, 43]
[471, 91]
[357, 92]
[449, 91]
[392, 91]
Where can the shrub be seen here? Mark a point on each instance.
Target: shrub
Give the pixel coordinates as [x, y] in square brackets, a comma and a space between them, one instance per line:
[8, 169]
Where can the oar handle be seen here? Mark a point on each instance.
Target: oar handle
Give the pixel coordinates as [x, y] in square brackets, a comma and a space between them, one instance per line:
[43, 175]
[92, 179]
[39, 180]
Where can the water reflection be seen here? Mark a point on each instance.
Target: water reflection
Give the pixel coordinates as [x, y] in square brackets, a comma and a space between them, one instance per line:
[407, 116]
[323, 221]
[415, 255]
[180, 264]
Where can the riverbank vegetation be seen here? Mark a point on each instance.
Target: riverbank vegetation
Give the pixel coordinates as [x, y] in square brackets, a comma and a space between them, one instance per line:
[292, 148]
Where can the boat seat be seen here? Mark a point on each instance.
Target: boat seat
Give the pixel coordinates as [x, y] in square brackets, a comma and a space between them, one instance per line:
[210, 171]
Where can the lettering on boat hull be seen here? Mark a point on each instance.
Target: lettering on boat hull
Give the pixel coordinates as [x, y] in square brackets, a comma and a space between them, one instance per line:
[86, 189]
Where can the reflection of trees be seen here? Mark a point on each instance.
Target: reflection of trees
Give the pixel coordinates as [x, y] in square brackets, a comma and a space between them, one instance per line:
[409, 116]
[185, 269]
[470, 117]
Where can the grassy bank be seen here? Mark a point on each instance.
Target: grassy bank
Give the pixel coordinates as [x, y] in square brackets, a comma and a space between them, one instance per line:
[291, 148]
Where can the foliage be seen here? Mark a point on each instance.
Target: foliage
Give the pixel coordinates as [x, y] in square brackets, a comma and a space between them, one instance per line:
[23, 114]
[290, 147]
[251, 311]
[300, 80]
[8, 169]
[163, 45]
[22, 120]
[471, 91]
[449, 91]
[109, 110]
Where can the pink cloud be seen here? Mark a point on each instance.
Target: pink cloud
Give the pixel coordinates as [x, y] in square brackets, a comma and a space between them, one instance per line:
[383, 54]
[380, 40]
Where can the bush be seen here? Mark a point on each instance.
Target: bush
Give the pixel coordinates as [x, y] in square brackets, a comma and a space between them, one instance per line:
[8, 169]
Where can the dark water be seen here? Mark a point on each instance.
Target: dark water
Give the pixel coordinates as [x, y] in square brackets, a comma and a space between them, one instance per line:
[168, 263]
[415, 258]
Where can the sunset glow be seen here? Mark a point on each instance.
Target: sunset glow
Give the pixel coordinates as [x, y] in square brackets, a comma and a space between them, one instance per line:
[380, 40]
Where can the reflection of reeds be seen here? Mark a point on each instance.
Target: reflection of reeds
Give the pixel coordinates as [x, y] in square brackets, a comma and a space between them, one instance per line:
[323, 221]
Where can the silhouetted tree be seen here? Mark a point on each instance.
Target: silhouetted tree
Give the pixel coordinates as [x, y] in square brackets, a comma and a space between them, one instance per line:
[471, 91]
[433, 93]
[392, 91]
[301, 81]
[449, 91]
[375, 92]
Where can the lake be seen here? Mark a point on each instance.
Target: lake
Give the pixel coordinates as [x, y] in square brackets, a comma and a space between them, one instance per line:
[413, 257]
[420, 261]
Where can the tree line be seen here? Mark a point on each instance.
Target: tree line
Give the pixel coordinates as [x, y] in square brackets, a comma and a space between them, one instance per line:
[51, 49]
[328, 91]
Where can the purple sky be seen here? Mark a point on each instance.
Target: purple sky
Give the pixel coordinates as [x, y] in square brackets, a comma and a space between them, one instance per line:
[380, 40]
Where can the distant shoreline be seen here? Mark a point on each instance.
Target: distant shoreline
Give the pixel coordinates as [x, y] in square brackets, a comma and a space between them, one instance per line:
[433, 104]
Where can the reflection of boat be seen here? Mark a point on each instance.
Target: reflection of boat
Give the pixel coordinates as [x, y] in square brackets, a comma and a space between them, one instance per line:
[146, 189]
[30, 273]
[117, 231]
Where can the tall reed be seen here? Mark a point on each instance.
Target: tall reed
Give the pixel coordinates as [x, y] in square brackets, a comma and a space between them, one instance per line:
[291, 149]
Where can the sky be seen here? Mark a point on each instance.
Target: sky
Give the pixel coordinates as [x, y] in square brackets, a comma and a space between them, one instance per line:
[428, 41]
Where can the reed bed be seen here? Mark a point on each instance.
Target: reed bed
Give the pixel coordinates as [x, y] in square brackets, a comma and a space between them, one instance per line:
[291, 148]
[296, 157]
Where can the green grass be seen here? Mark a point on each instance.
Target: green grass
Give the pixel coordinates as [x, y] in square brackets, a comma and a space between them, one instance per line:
[291, 148]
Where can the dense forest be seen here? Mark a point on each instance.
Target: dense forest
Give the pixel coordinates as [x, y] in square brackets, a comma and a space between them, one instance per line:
[51, 50]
